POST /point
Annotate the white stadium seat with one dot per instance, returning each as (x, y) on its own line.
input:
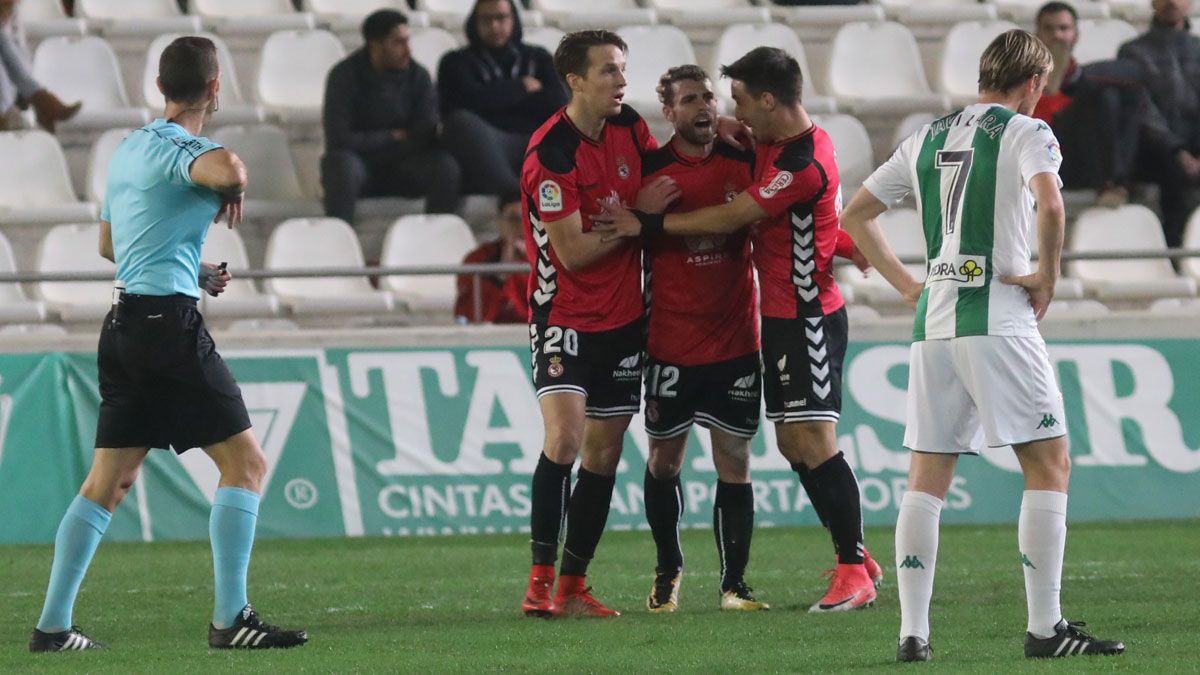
(426, 240)
(905, 234)
(909, 126)
(251, 16)
(235, 109)
(569, 15)
(276, 194)
(652, 50)
(815, 20)
(346, 16)
(307, 243)
(99, 158)
(1128, 228)
(15, 306)
(937, 11)
(137, 17)
(72, 248)
(1191, 239)
(292, 71)
(738, 39)
(706, 13)
(1099, 39)
(1024, 11)
(1075, 309)
(964, 44)
(35, 187)
(853, 147)
(1138, 11)
(429, 45)
(85, 69)
(241, 298)
(546, 37)
(876, 68)
(46, 18)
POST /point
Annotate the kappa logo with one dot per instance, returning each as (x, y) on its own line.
(630, 361)
(550, 197)
(912, 562)
(1048, 421)
(779, 182)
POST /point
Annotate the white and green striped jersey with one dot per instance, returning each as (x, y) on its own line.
(970, 174)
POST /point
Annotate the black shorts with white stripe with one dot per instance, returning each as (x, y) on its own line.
(725, 395)
(802, 367)
(605, 367)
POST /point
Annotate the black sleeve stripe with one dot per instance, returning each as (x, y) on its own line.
(657, 160)
(557, 149)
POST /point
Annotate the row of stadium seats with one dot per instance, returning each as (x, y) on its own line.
(239, 16)
(309, 243)
(873, 68)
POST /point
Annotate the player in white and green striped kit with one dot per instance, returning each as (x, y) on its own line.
(979, 368)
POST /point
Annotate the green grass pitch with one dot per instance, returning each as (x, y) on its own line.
(451, 604)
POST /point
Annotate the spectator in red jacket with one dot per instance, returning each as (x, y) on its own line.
(502, 296)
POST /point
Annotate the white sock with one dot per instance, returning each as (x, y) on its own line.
(1042, 536)
(916, 559)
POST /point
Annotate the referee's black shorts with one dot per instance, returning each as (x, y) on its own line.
(162, 382)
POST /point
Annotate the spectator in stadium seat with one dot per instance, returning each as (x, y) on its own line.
(504, 297)
(381, 121)
(1168, 57)
(1095, 111)
(494, 93)
(18, 89)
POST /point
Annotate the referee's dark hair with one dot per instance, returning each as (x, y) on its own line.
(666, 83)
(1055, 8)
(186, 67)
(379, 23)
(770, 70)
(572, 53)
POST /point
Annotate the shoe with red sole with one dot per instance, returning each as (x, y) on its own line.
(576, 599)
(873, 569)
(538, 601)
(850, 587)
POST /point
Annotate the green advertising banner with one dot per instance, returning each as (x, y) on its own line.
(443, 441)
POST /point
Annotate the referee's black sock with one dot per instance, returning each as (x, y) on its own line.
(551, 493)
(839, 487)
(815, 496)
(664, 508)
(586, 517)
(733, 525)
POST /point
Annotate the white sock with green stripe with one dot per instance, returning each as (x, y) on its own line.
(916, 559)
(1042, 536)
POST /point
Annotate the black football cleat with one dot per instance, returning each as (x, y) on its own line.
(71, 640)
(913, 649)
(249, 632)
(1069, 640)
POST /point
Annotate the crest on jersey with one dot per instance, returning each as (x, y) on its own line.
(622, 168)
(779, 182)
(731, 192)
(555, 369)
(651, 411)
(1055, 151)
(550, 197)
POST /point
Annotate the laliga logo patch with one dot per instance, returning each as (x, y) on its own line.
(781, 181)
(622, 168)
(550, 196)
(556, 367)
(1055, 152)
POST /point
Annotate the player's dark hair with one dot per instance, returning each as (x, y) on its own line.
(666, 83)
(1055, 8)
(572, 53)
(768, 69)
(186, 67)
(380, 23)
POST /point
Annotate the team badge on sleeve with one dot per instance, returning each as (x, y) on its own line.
(1055, 151)
(779, 182)
(550, 197)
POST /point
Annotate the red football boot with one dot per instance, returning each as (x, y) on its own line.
(537, 596)
(873, 569)
(849, 588)
(575, 599)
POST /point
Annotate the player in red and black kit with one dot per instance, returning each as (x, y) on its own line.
(703, 344)
(586, 326)
(793, 206)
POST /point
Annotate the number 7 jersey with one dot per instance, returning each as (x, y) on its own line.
(970, 174)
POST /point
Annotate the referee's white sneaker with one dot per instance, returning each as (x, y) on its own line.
(250, 632)
(70, 640)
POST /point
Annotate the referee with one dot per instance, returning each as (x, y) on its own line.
(162, 383)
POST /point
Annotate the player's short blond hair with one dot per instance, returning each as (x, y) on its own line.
(1012, 58)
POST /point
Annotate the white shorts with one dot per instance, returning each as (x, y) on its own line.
(964, 390)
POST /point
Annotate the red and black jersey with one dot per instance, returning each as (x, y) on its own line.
(701, 288)
(565, 172)
(796, 183)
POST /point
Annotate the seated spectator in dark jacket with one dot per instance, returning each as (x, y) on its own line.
(381, 121)
(1169, 60)
(1095, 111)
(495, 93)
(504, 298)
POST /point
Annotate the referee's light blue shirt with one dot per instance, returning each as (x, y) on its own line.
(159, 217)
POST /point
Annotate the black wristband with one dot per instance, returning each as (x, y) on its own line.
(653, 224)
